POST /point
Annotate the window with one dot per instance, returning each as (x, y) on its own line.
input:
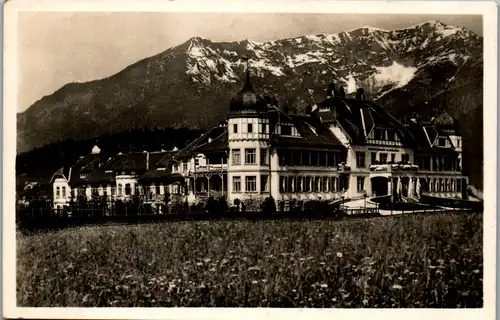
(113, 191)
(383, 158)
(156, 188)
(393, 157)
(263, 156)
(175, 189)
(286, 130)
(251, 184)
(196, 162)
(264, 128)
(94, 191)
(58, 192)
(307, 184)
(237, 184)
(405, 158)
(442, 142)
(120, 189)
(373, 157)
(185, 166)
(379, 134)
(235, 128)
(176, 168)
(263, 183)
(236, 155)
(250, 156)
(136, 189)
(361, 183)
(249, 128)
(128, 189)
(64, 192)
(360, 159)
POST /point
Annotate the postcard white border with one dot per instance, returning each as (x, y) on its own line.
(487, 9)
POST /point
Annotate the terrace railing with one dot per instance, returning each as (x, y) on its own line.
(393, 167)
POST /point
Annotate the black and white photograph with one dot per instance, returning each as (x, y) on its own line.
(332, 157)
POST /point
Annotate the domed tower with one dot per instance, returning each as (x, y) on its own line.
(248, 142)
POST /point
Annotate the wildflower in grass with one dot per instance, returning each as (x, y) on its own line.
(199, 263)
(254, 282)
(324, 285)
(397, 287)
(264, 280)
(339, 254)
(476, 271)
(365, 302)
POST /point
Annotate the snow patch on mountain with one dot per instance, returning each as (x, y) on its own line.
(395, 73)
(264, 65)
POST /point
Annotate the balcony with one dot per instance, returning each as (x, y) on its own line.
(212, 168)
(393, 167)
(343, 168)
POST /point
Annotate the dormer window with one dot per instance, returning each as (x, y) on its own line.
(286, 130)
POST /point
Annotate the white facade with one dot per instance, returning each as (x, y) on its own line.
(62, 192)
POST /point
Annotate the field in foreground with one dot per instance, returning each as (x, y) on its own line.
(408, 261)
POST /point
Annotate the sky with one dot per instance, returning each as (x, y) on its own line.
(56, 48)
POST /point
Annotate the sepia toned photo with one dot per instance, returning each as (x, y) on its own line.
(251, 159)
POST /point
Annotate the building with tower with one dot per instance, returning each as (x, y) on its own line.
(343, 148)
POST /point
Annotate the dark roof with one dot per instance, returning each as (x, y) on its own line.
(62, 172)
(215, 133)
(155, 157)
(358, 117)
(100, 176)
(247, 100)
(424, 135)
(444, 119)
(86, 164)
(217, 144)
(313, 133)
(89, 163)
(131, 161)
(163, 176)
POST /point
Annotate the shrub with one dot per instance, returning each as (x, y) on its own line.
(268, 205)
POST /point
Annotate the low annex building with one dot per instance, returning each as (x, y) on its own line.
(342, 148)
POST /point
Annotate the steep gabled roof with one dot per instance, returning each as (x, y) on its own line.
(358, 118)
(212, 134)
(425, 134)
(63, 172)
(313, 134)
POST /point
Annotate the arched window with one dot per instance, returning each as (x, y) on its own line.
(64, 192)
(58, 192)
(120, 189)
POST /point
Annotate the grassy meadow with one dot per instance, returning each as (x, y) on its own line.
(408, 261)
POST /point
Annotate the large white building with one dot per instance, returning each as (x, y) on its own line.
(343, 148)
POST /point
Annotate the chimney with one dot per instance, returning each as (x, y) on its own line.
(360, 94)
